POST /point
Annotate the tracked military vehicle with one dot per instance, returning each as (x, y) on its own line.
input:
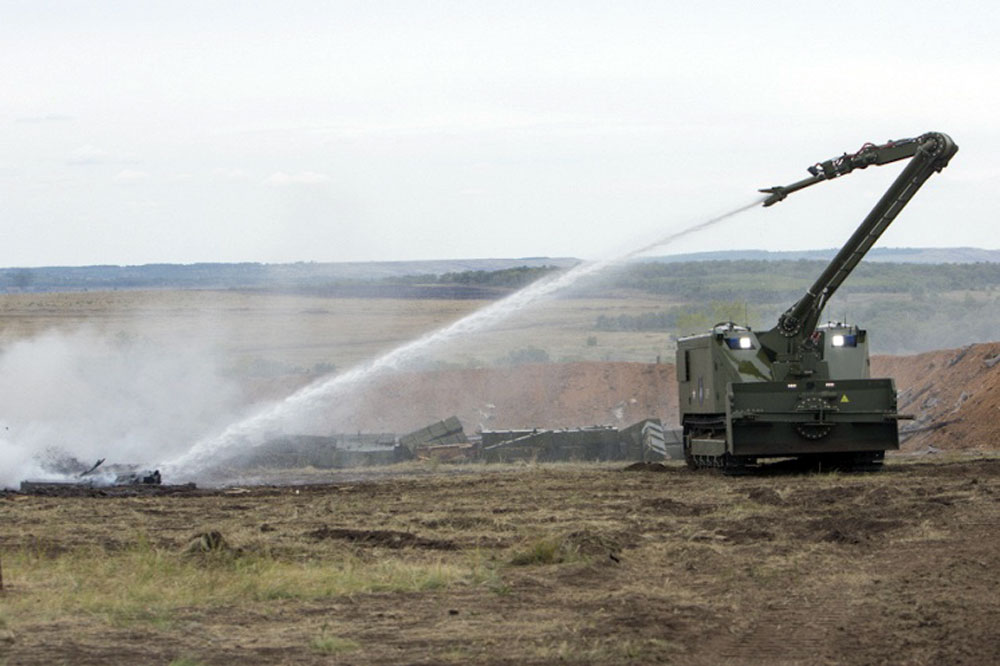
(802, 390)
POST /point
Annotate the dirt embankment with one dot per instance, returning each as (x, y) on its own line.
(550, 395)
(953, 395)
(557, 395)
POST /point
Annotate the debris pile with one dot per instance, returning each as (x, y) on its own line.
(336, 451)
(72, 477)
(594, 443)
(442, 440)
(644, 441)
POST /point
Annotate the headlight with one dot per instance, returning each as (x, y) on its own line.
(742, 342)
(837, 341)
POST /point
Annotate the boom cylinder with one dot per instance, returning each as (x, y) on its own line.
(931, 153)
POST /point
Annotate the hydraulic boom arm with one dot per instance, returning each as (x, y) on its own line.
(929, 152)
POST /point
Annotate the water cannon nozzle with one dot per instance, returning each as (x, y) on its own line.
(777, 194)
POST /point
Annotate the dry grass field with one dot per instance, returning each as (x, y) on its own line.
(287, 331)
(575, 563)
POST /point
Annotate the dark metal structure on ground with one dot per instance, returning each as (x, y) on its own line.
(643, 441)
(802, 390)
(88, 489)
(646, 440)
(595, 443)
(443, 440)
(337, 451)
(649, 441)
(441, 433)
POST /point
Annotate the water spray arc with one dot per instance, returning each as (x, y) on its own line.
(253, 431)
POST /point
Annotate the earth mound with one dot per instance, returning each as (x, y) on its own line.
(952, 394)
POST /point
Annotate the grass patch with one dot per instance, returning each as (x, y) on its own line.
(143, 584)
(327, 644)
(546, 550)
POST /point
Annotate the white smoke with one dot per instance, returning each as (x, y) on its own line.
(89, 396)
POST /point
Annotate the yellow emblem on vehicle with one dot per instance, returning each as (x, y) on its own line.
(843, 398)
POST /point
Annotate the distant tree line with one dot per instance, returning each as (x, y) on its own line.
(739, 281)
(906, 307)
(507, 278)
(785, 281)
(256, 276)
(479, 285)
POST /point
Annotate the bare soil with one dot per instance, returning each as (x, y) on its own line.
(653, 564)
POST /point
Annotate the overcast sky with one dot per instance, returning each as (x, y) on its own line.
(135, 132)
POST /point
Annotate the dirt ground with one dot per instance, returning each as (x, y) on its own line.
(583, 564)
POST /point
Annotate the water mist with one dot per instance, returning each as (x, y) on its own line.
(298, 409)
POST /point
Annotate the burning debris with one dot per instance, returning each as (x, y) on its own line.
(69, 476)
(100, 474)
(124, 475)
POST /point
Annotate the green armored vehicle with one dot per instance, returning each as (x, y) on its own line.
(802, 390)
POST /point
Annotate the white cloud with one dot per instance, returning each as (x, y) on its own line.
(512, 124)
(130, 176)
(46, 118)
(300, 178)
(230, 174)
(88, 154)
